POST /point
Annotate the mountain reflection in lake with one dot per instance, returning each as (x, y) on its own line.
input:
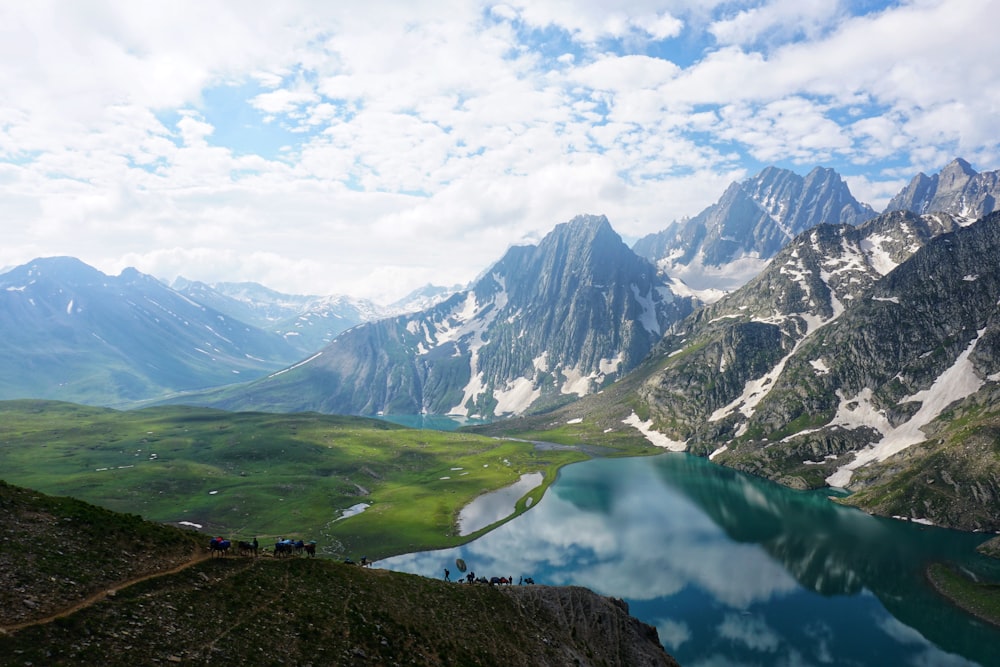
(736, 570)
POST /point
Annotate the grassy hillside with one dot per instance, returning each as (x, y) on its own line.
(49, 548)
(267, 611)
(267, 475)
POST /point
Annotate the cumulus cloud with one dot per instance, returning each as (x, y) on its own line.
(397, 142)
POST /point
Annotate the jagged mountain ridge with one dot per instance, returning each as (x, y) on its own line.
(545, 324)
(70, 332)
(730, 241)
(839, 356)
(957, 189)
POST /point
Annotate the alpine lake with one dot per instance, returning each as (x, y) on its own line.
(736, 570)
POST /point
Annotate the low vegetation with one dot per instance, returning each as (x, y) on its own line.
(978, 598)
(245, 610)
(263, 475)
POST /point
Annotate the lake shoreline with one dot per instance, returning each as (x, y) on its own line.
(977, 599)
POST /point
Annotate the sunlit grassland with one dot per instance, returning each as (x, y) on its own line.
(267, 475)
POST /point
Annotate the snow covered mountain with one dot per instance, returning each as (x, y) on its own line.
(307, 322)
(864, 356)
(957, 189)
(729, 242)
(545, 325)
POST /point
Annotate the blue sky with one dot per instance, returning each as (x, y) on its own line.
(370, 148)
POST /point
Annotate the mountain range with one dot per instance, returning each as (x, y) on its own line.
(73, 333)
(732, 240)
(546, 324)
(858, 335)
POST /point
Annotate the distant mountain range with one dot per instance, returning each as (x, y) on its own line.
(732, 240)
(544, 326)
(70, 332)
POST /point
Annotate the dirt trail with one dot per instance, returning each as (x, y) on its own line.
(197, 557)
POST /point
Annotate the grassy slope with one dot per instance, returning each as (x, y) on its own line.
(272, 475)
(266, 610)
(49, 548)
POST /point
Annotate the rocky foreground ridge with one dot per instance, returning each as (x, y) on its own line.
(80, 585)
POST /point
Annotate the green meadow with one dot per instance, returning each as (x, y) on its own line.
(264, 475)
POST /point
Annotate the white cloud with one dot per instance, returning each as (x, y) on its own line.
(786, 18)
(397, 142)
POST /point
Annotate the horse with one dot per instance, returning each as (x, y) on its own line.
(283, 548)
(218, 545)
(525, 580)
(247, 547)
(310, 548)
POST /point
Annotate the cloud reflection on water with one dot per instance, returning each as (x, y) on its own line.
(731, 569)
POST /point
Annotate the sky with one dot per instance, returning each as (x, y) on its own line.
(370, 148)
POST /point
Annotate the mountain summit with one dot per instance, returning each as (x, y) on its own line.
(730, 241)
(544, 325)
(958, 189)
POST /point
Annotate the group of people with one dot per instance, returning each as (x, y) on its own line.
(471, 578)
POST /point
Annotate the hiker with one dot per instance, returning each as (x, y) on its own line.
(447, 574)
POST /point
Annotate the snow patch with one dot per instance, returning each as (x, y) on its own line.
(648, 317)
(517, 397)
(954, 384)
(878, 256)
(819, 365)
(655, 437)
(293, 367)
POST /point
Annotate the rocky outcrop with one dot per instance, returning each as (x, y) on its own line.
(730, 241)
(958, 189)
(610, 636)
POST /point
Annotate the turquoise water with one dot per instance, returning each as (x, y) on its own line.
(734, 570)
(432, 422)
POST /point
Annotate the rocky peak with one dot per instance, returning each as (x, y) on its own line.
(957, 189)
(730, 241)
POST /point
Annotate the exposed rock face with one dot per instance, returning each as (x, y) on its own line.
(599, 621)
(544, 325)
(729, 242)
(844, 353)
(958, 189)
